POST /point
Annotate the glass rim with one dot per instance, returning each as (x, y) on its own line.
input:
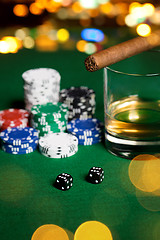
(133, 74)
(137, 74)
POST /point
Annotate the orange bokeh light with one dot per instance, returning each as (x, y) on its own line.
(53, 6)
(50, 232)
(20, 10)
(81, 45)
(76, 7)
(35, 9)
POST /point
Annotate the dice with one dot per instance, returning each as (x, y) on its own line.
(64, 181)
(95, 175)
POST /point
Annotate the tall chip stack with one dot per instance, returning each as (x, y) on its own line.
(49, 118)
(80, 101)
(41, 85)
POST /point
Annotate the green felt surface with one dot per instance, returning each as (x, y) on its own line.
(27, 197)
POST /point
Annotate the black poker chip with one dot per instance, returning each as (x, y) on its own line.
(80, 101)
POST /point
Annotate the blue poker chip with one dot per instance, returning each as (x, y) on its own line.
(18, 136)
(84, 137)
(89, 142)
(16, 150)
(21, 147)
(88, 127)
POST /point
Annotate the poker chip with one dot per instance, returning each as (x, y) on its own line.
(88, 126)
(49, 110)
(88, 132)
(89, 142)
(18, 136)
(41, 85)
(19, 140)
(10, 118)
(80, 101)
(49, 118)
(14, 150)
(58, 145)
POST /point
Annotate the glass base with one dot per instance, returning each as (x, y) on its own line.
(128, 148)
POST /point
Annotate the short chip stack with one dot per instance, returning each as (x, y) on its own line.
(19, 140)
(41, 85)
(49, 118)
(10, 118)
(80, 101)
(58, 145)
(88, 132)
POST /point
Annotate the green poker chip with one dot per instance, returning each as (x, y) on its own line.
(49, 118)
(49, 110)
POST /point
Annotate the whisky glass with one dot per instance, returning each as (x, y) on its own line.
(132, 105)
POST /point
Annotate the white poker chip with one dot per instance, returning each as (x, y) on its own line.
(58, 145)
(41, 85)
(44, 75)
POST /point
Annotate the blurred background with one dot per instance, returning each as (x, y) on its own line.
(82, 25)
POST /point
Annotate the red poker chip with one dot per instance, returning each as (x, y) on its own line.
(14, 124)
(9, 116)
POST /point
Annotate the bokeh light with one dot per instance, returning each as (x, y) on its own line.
(81, 45)
(62, 35)
(133, 6)
(62, 13)
(66, 3)
(76, 7)
(92, 14)
(20, 10)
(92, 34)
(13, 43)
(89, 3)
(149, 200)
(28, 42)
(21, 33)
(50, 232)
(149, 9)
(35, 9)
(4, 47)
(53, 6)
(93, 230)
(106, 8)
(130, 20)
(143, 30)
(90, 48)
(144, 172)
(44, 43)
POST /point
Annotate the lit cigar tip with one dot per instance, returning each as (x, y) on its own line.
(91, 64)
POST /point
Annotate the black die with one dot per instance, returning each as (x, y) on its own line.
(95, 175)
(64, 181)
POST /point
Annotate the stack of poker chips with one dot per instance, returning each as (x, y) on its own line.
(58, 145)
(10, 118)
(49, 118)
(41, 85)
(19, 140)
(88, 132)
(80, 101)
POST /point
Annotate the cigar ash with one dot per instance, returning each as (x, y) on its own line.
(91, 64)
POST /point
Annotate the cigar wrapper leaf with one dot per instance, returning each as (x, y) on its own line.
(121, 51)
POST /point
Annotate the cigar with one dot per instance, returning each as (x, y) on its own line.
(121, 51)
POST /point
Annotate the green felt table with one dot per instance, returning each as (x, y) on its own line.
(27, 196)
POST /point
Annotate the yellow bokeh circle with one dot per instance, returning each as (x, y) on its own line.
(93, 230)
(144, 172)
(50, 232)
